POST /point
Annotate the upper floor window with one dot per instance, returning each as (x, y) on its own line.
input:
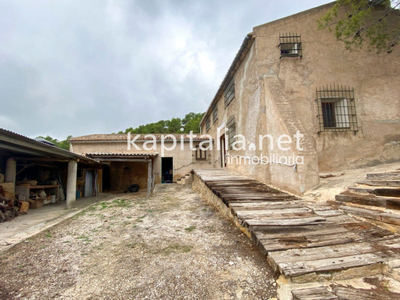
(336, 109)
(290, 45)
(215, 113)
(208, 123)
(230, 92)
(231, 125)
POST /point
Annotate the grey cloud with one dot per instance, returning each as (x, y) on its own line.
(97, 66)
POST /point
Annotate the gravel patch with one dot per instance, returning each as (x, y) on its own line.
(171, 246)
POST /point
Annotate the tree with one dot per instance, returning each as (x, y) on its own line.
(61, 144)
(191, 122)
(355, 22)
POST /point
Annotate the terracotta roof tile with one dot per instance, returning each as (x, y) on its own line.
(124, 137)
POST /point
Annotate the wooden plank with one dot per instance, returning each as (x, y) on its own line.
(391, 218)
(298, 231)
(378, 191)
(341, 219)
(244, 196)
(276, 214)
(316, 293)
(270, 246)
(329, 265)
(366, 213)
(287, 243)
(329, 213)
(265, 205)
(387, 176)
(391, 243)
(310, 254)
(359, 199)
(393, 203)
(359, 294)
(392, 183)
(285, 222)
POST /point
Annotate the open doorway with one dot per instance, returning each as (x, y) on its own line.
(222, 151)
(89, 183)
(167, 175)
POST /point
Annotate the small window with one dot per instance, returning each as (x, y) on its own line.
(230, 92)
(201, 154)
(215, 113)
(208, 123)
(231, 132)
(336, 109)
(290, 45)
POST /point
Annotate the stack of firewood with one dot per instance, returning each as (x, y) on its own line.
(7, 209)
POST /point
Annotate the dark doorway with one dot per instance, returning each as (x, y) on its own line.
(167, 175)
(222, 151)
(89, 184)
(106, 178)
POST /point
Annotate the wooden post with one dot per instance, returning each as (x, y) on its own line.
(11, 171)
(149, 178)
(71, 182)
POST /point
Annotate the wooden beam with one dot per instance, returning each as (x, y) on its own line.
(46, 159)
(122, 159)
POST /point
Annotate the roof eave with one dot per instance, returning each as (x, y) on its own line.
(244, 48)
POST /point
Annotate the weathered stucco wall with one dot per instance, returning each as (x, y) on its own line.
(374, 77)
(276, 96)
(184, 159)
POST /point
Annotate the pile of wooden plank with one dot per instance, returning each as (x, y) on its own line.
(7, 200)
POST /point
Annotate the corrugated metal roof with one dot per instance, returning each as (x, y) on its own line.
(121, 154)
(140, 137)
(25, 143)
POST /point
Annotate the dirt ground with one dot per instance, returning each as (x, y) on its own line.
(171, 246)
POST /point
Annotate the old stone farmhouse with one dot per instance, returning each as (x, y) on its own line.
(293, 103)
(301, 101)
(289, 77)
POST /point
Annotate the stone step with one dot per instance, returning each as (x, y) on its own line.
(384, 176)
(377, 215)
(379, 191)
(382, 183)
(370, 200)
(316, 293)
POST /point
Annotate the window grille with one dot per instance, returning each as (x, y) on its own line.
(230, 92)
(215, 113)
(290, 45)
(208, 123)
(336, 109)
(231, 132)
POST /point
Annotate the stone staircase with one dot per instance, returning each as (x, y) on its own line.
(312, 247)
(377, 198)
(185, 180)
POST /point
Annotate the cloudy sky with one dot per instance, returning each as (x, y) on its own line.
(76, 67)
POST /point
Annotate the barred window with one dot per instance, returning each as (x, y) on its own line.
(208, 123)
(231, 132)
(336, 109)
(215, 113)
(201, 154)
(290, 45)
(230, 92)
